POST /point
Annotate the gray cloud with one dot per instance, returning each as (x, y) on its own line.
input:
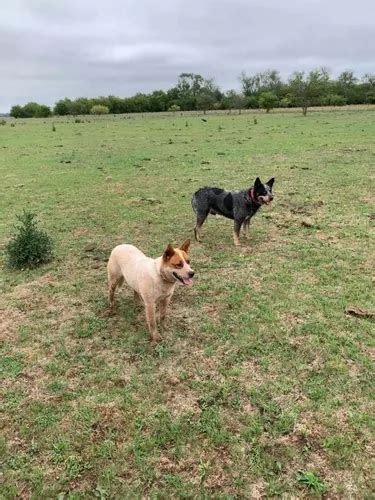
(71, 48)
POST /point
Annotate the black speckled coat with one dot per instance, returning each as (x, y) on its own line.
(239, 206)
(235, 205)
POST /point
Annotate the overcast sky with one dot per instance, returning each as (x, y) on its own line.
(51, 49)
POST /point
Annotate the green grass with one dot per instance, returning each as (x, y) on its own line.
(263, 385)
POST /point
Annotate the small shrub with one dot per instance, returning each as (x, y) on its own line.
(12, 124)
(268, 100)
(312, 481)
(3, 122)
(78, 120)
(99, 109)
(174, 108)
(255, 121)
(29, 246)
(53, 127)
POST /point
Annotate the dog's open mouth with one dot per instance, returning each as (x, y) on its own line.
(184, 281)
(266, 201)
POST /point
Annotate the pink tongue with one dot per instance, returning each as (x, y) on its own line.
(188, 281)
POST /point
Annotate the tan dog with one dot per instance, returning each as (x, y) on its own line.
(153, 280)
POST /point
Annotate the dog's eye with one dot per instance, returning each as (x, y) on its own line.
(187, 261)
(180, 264)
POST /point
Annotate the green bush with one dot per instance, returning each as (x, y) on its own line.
(99, 109)
(30, 110)
(268, 101)
(174, 108)
(334, 100)
(29, 246)
(252, 102)
(285, 103)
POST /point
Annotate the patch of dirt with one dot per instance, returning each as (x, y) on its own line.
(182, 401)
(257, 491)
(306, 208)
(250, 374)
(11, 318)
(290, 318)
(109, 420)
(25, 290)
(78, 231)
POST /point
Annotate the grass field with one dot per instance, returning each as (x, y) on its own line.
(262, 386)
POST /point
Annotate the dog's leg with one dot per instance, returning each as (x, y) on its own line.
(163, 311)
(201, 217)
(197, 233)
(236, 232)
(151, 322)
(245, 227)
(113, 283)
(138, 300)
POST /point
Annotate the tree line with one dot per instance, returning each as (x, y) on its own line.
(192, 92)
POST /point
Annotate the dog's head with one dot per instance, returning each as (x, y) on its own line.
(262, 193)
(176, 264)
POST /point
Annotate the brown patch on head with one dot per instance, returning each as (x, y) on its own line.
(178, 258)
(185, 256)
(168, 253)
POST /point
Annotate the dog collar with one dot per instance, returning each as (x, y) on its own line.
(253, 197)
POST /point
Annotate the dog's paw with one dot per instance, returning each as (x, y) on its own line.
(110, 311)
(156, 339)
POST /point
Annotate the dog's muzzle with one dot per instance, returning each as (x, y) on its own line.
(265, 199)
(185, 281)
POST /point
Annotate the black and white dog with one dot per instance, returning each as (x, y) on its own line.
(237, 205)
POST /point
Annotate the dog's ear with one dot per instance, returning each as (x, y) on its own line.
(257, 183)
(185, 246)
(270, 182)
(168, 253)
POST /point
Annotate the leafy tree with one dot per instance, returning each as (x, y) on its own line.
(158, 101)
(30, 110)
(233, 100)
(63, 107)
(308, 90)
(188, 89)
(16, 111)
(205, 101)
(268, 81)
(43, 111)
(285, 102)
(268, 100)
(369, 88)
(334, 100)
(252, 102)
(346, 86)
